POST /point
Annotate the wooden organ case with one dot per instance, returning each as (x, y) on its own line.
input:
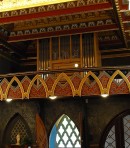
(63, 52)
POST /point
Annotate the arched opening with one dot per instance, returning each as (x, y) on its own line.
(64, 134)
(117, 132)
(16, 125)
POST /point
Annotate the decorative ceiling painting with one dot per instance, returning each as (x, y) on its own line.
(21, 24)
(9, 5)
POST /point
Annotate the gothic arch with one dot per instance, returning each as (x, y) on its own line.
(64, 134)
(16, 125)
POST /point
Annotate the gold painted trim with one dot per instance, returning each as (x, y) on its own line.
(61, 76)
(10, 84)
(51, 92)
(118, 72)
(95, 78)
(36, 78)
(9, 5)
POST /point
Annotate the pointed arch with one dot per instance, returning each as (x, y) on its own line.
(37, 77)
(16, 125)
(61, 76)
(4, 83)
(19, 85)
(95, 78)
(41, 135)
(117, 72)
(64, 134)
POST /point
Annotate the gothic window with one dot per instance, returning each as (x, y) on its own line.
(117, 132)
(126, 123)
(110, 140)
(64, 134)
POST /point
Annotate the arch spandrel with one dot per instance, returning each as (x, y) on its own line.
(14, 93)
(34, 87)
(25, 82)
(121, 88)
(19, 88)
(94, 88)
(37, 92)
(66, 89)
(104, 78)
(76, 80)
(50, 81)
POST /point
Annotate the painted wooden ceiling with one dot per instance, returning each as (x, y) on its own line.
(109, 18)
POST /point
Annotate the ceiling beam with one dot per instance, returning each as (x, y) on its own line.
(115, 50)
(73, 10)
(116, 6)
(115, 55)
(64, 32)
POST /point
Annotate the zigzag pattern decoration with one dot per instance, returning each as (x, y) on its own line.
(63, 85)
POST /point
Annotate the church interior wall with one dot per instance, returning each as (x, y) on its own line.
(90, 114)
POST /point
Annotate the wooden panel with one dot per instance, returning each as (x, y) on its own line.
(65, 64)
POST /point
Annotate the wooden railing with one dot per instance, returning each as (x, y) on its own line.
(81, 82)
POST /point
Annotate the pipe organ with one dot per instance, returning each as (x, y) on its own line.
(63, 52)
